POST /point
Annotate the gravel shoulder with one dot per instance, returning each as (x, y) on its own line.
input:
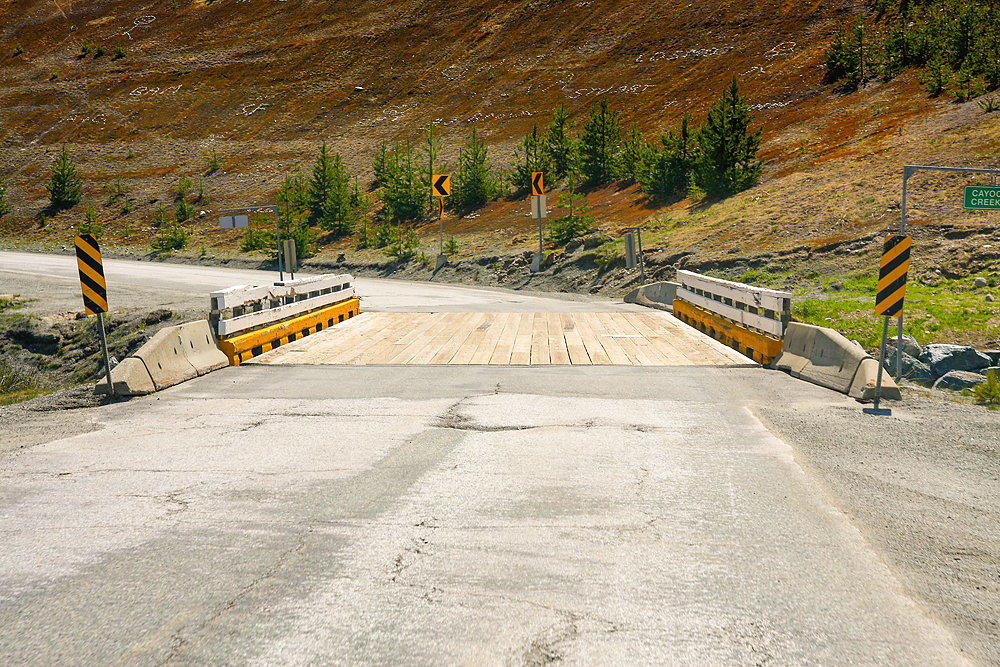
(923, 487)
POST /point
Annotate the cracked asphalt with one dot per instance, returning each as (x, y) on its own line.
(318, 515)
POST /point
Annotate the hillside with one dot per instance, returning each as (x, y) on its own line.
(263, 83)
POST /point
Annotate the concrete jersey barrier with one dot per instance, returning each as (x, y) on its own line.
(825, 357)
(654, 295)
(173, 355)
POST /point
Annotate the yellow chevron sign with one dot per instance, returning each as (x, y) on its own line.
(892, 275)
(95, 290)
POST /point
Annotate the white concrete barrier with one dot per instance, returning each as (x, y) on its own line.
(200, 347)
(825, 357)
(654, 295)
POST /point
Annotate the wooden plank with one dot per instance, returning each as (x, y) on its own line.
(558, 354)
(505, 344)
(611, 345)
(649, 350)
(467, 351)
(484, 351)
(687, 342)
(463, 331)
(659, 338)
(379, 346)
(621, 336)
(521, 354)
(424, 343)
(574, 342)
(329, 344)
(349, 348)
(539, 341)
(591, 341)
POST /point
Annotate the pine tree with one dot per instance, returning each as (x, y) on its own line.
(560, 148)
(529, 157)
(599, 144)
(403, 197)
(666, 172)
(430, 149)
(475, 184)
(633, 153)
(727, 160)
(4, 204)
(319, 185)
(338, 214)
(64, 186)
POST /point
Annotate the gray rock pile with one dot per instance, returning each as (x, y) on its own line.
(940, 365)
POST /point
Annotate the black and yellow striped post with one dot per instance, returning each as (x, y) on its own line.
(95, 291)
(889, 298)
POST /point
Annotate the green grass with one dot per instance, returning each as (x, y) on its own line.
(947, 313)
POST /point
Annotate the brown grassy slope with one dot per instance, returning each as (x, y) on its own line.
(264, 82)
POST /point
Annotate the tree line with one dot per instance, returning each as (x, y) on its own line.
(954, 43)
(716, 158)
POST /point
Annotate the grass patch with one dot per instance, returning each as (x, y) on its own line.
(946, 313)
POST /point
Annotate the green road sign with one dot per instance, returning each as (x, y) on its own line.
(982, 197)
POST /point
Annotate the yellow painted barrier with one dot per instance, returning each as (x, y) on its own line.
(255, 343)
(762, 349)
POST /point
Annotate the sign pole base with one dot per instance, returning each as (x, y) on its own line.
(107, 359)
(875, 410)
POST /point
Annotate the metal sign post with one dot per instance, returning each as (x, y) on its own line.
(95, 292)
(539, 204)
(231, 222)
(441, 188)
(889, 302)
(635, 255)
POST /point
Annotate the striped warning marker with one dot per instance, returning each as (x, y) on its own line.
(892, 275)
(95, 290)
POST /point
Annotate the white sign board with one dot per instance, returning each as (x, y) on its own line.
(538, 206)
(233, 221)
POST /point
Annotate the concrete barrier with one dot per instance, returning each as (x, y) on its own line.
(165, 358)
(200, 347)
(826, 358)
(130, 378)
(655, 295)
(171, 356)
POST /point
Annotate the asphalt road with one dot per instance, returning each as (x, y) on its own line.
(326, 515)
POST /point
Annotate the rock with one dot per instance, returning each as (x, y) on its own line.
(989, 298)
(959, 380)
(573, 244)
(910, 345)
(943, 358)
(594, 240)
(913, 369)
(981, 282)
(931, 279)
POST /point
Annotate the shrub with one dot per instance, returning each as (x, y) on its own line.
(989, 392)
(529, 157)
(576, 223)
(4, 204)
(174, 238)
(159, 216)
(120, 52)
(184, 211)
(214, 161)
(475, 184)
(99, 51)
(183, 187)
(451, 246)
(403, 196)
(383, 235)
(86, 49)
(404, 247)
(89, 224)
(560, 148)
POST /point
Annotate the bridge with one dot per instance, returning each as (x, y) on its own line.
(456, 476)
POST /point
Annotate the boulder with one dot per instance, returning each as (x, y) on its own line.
(959, 380)
(981, 282)
(910, 345)
(944, 358)
(913, 369)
